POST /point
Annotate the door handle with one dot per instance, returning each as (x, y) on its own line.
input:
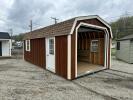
(47, 55)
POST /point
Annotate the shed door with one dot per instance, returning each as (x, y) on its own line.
(50, 54)
(94, 51)
(0, 48)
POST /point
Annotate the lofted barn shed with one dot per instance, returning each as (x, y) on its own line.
(71, 48)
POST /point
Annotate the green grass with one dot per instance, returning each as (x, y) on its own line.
(113, 52)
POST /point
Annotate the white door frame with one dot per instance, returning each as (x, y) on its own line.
(48, 64)
(105, 43)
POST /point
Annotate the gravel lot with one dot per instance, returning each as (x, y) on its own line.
(20, 80)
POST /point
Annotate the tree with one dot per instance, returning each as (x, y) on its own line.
(122, 27)
(18, 37)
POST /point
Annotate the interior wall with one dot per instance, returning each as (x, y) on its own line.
(84, 48)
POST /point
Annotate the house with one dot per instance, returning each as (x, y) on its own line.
(72, 48)
(5, 44)
(124, 49)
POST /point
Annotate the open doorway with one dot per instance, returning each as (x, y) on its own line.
(90, 50)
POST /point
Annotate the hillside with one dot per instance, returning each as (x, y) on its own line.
(122, 27)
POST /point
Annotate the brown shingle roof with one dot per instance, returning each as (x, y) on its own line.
(62, 28)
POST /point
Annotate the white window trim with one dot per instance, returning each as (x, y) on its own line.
(26, 41)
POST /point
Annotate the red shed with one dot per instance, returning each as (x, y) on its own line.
(71, 48)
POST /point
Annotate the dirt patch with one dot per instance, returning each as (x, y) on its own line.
(20, 80)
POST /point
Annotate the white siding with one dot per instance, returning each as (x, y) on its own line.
(6, 48)
(123, 53)
(131, 52)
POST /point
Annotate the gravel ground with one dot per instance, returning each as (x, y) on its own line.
(20, 80)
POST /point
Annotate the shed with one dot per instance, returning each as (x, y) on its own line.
(124, 49)
(71, 48)
(5, 44)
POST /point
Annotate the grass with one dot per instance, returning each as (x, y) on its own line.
(113, 51)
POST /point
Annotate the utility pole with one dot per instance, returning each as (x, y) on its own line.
(11, 34)
(55, 19)
(31, 25)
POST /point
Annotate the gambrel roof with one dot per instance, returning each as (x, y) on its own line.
(62, 28)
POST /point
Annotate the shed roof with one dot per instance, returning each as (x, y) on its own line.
(4, 35)
(62, 28)
(128, 37)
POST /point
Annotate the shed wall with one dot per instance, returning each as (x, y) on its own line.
(123, 53)
(6, 48)
(61, 55)
(131, 51)
(36, 55)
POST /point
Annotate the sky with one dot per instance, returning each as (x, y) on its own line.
(16, 14)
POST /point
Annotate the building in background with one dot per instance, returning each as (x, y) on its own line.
(124, 49)
(5, 44)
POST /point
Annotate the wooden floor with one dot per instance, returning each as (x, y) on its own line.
(84, 67)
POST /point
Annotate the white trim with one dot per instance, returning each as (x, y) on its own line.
(90, 17)
(69, 57)
(23, 49)
(47, 53)
(10, 43)
(106, 43)
(105, 46)
(110, 52)
(94, 40)
(6, 46)
(5, 39)
(26, 45)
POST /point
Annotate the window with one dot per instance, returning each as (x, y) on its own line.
(27, 44)
(51, 46)
(118, 46)
(94, 46)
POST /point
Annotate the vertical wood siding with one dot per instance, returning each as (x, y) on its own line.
(37, 53)
(61, 55)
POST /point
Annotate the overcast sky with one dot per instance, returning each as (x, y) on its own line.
(16, 14)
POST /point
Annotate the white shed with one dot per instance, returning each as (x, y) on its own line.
(5, 44)
(124, 49)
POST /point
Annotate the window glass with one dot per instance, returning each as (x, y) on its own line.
(94, 46)
(51, 46)
(118, 46)
(27, 45)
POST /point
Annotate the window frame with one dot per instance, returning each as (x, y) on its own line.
(92, 45)
(51, 44)
(27, 45)
(118, 45)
